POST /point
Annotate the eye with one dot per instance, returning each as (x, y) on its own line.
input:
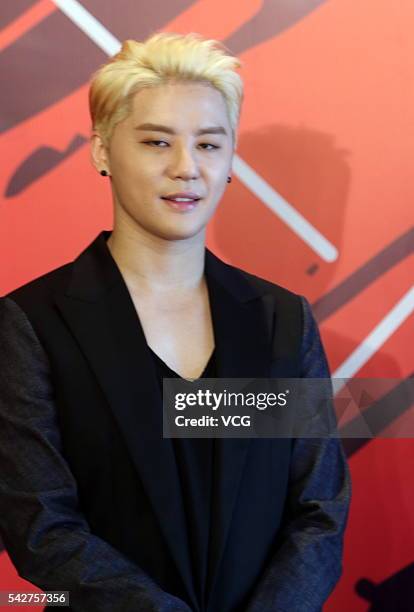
(208, 144)
(150, 142)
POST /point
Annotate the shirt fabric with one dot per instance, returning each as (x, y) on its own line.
(194, 458)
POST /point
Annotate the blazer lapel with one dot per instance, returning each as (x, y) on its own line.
(243, 331)
(99, 310)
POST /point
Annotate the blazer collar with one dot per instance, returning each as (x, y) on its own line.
(99, 310)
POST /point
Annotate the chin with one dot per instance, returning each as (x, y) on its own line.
(177, 227)
(179, 233)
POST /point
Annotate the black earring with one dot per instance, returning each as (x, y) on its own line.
(104, 173)
(229, 179)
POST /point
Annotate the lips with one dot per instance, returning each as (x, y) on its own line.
(182, 197)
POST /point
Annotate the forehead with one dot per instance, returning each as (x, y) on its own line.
(181, 103)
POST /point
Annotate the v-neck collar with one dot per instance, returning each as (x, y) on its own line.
(175, 374)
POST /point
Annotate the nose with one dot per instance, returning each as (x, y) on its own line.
(184, 164)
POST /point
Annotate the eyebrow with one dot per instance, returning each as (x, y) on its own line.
(154, 127)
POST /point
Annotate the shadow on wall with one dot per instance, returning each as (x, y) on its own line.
(273, 18)
(395, 594)
(40, 162)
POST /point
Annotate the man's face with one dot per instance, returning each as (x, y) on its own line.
(148, 163)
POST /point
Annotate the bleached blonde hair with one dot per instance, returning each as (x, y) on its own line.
(162, 58)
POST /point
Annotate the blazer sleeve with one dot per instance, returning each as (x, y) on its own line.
(307, 563)
(45, 534)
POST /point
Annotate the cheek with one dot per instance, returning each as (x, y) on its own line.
(217, 168)
(127, 162)
(218, 176)
(135, 173)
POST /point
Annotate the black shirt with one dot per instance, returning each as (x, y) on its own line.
(194, 457)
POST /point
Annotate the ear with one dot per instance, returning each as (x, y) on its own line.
(99, 154)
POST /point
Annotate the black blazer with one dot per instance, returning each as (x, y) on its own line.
(89, 495)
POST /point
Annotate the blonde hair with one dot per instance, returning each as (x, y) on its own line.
(162, 58)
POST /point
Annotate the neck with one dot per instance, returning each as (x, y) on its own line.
(154, 264)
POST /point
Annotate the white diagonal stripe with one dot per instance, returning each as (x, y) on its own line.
(89, 25)
(379, 335)
(257, 185)
(297, 222)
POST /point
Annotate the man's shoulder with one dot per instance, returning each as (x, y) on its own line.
(260, 285)
(38, 292)
(266, 286)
